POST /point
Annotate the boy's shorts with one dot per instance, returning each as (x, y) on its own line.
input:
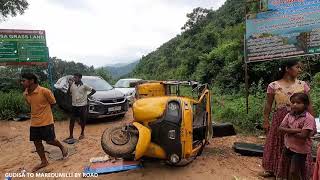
(42, 133)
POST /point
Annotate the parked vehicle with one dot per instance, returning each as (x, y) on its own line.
(125, 86)
(166, 124)
(106, 102)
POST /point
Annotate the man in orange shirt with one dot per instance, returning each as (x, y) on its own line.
(40, 100)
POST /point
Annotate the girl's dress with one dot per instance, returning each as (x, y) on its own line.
(274, 144)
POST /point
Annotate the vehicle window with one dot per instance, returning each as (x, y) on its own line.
(97, 84)
(123, 84)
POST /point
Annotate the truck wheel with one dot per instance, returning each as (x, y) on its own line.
(119, 141)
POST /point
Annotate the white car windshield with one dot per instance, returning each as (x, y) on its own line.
(97, 84)
(123, 83)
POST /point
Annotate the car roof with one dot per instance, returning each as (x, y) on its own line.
(131, 79)
(91, 77)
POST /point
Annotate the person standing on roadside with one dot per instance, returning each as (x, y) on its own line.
(298, 126)
(40, 100)
(79, 94)
(280, 92)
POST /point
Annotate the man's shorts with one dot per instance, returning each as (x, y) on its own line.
(42, 133)
(80, 112)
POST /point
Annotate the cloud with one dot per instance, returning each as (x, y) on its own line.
(71, 4)
(97, 32)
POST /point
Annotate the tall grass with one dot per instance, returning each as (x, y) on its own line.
(232, 108)
(12, 104)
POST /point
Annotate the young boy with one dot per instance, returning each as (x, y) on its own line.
(40, 100)
(298, 126)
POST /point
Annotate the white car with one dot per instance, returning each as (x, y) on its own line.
(123, 85)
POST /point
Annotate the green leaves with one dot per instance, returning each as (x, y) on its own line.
(102, 72)
(211, 44)
(12, 104)
(12, 8)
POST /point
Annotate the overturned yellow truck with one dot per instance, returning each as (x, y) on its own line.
(166, 124)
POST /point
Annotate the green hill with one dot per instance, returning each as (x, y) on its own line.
(120, 70)
(209, 49)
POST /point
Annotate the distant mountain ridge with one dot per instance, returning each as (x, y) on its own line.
(121, 69)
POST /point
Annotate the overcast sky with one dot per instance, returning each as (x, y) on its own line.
(100, 32)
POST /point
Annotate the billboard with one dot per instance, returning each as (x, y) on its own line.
(23, 47)
(289, 28)
(285, 4)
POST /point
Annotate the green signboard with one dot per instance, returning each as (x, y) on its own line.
(23, 47)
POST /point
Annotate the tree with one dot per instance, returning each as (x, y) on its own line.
(62, 68)
(197, 15)
(102, 72)
(12, 8)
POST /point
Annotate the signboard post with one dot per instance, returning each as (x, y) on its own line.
(24, 48)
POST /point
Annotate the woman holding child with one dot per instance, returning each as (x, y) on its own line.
(280, 92)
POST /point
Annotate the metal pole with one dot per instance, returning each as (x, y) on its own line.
(309, 69)
(245, 62)
(50, 65)
(247, 87)
(246, 74)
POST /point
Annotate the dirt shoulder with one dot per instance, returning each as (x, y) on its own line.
(217, 162)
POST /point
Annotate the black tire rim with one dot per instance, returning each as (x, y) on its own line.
(120, 137)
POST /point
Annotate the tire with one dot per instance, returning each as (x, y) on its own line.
(248, 149)
(118, 142)
(223, 129)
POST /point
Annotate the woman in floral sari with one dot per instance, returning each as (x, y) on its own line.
(279, 92)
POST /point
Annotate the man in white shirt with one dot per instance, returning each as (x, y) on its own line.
(79, 93)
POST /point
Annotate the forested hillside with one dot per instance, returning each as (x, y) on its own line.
(121, 70)
(209, 49)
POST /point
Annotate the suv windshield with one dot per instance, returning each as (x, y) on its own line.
(97, 84)
(123, 83)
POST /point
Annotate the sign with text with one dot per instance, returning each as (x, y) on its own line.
(23, 47)
(285, 4)
(288, 30)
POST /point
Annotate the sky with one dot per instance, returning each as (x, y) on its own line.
(104, 32)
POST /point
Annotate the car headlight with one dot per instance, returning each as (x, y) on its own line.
(129, 93)
(93, 100)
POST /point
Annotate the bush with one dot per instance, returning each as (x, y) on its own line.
(12, 104)
(315, 93)
(232, 108)
(59, 114)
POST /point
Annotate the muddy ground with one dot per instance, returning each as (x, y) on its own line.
(217, 162)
